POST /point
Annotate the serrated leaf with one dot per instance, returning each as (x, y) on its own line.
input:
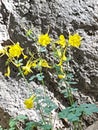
(49, 109)
(88, 109)
(29, 126)
(46, 127)
(32, 78)
(63, 114)
(21, 117)
(12, 123)
(43, 49)
(40, 76)
(72, 117)
(12, 128)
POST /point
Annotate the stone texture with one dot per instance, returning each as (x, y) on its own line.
(12, 96)
(93, 127)
(4, 118)
(62, 16)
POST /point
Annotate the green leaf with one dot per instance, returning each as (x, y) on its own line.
(43, 49)
(32, 78)
(73, 117)
(49, 109)
(30, 126)
(12, 128)
(46, 127)
(58, 68)
(21, 118)
(49, 105)
(40, 76)
(88, 109)
(63, 114)
(68, 59)
(74, 112)
(1, 128)
(13, 122)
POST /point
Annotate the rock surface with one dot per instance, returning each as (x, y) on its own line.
(12, 96)
(93, 127)
(62, 16)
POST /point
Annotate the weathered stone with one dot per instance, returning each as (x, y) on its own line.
(61, 16)
(93, 127)
(4, 119)
(12, 96)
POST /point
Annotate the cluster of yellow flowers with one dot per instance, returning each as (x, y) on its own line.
(12, 52)
(59, 47)
(34, 64)
(15, 51)
(74, 40)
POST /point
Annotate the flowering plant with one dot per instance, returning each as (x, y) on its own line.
(51, 54)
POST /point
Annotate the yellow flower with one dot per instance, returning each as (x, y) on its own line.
(29, 103)
(15, 50)
(7, 74)
(44, 63)
(75, 40)
(61, 76)
(64, 58)
(44, 39)
(24, 56)
(62, 41)
(27, 68)
(34, 63)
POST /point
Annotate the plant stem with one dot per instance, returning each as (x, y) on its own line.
(70, 96)
(41, 113)
(21, 72)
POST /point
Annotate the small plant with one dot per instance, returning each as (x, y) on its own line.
(15, 123)
(47, 54)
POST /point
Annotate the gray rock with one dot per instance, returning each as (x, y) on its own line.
(12, 96)
(93, 127)
(61, 16)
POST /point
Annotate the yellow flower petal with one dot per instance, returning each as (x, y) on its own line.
(44, 63)
(64, 58)
(34, 63)
(61, 41)
(7, 74)
(15, 50)
(24, 56)
(44, 39)
(27, 68)
(61, 76)
(29, 103)
(75, 40)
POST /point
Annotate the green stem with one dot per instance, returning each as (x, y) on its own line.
(75, 125)
(22, 74)
(43, 83)
(44, 87)
(41, 113)
(70, 96)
